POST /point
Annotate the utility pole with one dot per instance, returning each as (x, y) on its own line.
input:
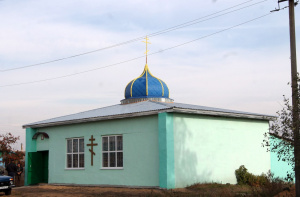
(295, 96)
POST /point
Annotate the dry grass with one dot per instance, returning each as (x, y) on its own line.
(215, 189)
(205, 190)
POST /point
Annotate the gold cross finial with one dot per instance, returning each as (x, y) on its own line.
(146, 47)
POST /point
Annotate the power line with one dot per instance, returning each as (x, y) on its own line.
(196, 21)
(189, 23)
(115, 64)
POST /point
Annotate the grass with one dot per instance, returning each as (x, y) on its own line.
(217, 189)
(228, 190)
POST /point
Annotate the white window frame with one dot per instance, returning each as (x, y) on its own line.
(78, 153)
(115, 151)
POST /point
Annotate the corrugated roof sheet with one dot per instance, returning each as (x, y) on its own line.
(198, 107)
(137, 108)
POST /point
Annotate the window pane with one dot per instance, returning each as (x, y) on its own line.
(119, 143)
(75, 161)
(105, 159)
(112, 159)
(105, 144)
(120, 159)
(69, 146)
(81, 160)
(69, 160)
(112, 143)
(75, 145)
(81, 145)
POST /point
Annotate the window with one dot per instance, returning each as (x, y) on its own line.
(75, 153)
(112, 151)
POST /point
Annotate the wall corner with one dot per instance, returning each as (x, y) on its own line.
(166, 151)
(30, 147)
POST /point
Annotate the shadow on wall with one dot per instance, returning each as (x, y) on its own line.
(186, 157)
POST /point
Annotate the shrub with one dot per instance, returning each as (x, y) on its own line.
(243, 177)
(262, 185)
(272, 186)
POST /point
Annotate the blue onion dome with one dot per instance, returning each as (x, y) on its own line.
(146, 87)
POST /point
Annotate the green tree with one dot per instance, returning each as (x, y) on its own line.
(280, 138)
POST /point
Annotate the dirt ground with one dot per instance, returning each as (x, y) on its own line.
(80, 191)
(46, 190)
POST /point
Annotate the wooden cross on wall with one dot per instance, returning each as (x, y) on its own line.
(92, 150)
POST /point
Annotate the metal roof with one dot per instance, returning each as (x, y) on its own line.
(142, 109)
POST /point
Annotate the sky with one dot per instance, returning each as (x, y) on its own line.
(245, 68)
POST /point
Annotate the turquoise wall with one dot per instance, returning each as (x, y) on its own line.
(166, 150)
(42, 145)
(210, 149)
(279, 168)
(30, 147)
(140, 149)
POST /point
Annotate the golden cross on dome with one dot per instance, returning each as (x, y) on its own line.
(146, 47)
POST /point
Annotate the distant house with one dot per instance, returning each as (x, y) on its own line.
(1, 159)
(147, 140)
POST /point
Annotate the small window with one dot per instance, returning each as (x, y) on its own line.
(75, 153)
(112, 151)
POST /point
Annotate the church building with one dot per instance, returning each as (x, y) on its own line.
(147, 140)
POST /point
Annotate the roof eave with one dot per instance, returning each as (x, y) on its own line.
(147, 113)
(94, 119)
(224, 114)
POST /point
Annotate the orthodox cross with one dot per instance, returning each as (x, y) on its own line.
(92, 150)
(146, 47)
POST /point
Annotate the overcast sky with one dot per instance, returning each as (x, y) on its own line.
(246, 68)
